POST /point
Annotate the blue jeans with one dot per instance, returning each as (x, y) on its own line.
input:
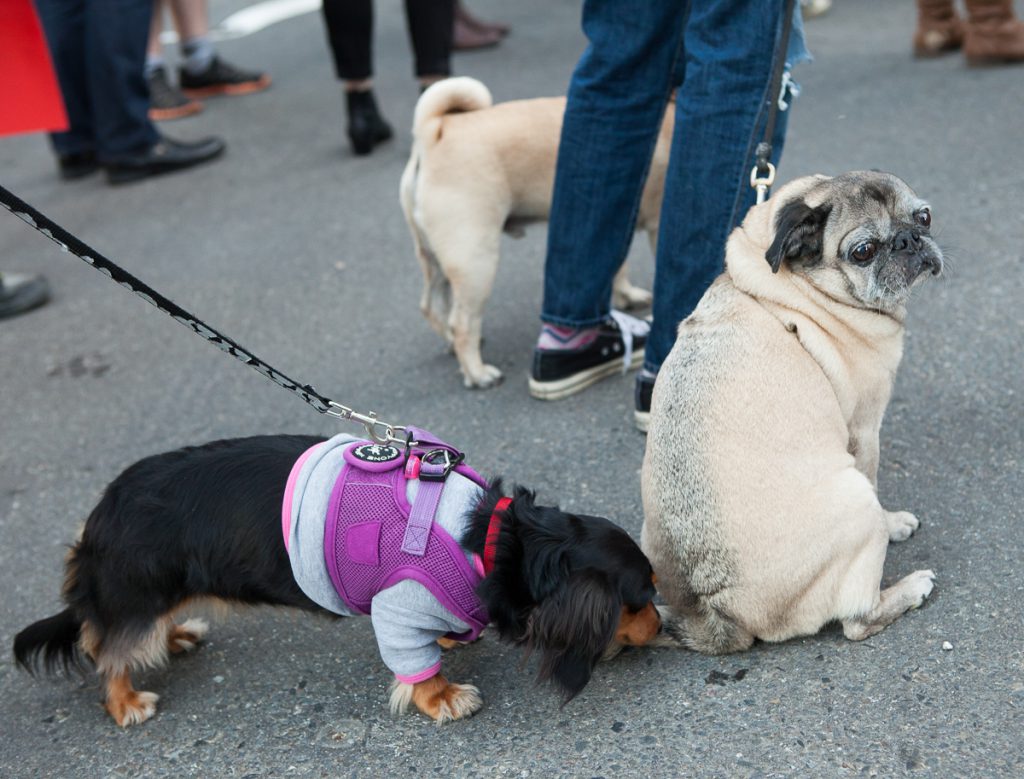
(99, 53)
(720, 54)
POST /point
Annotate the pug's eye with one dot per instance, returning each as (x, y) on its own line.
(923, 218)
(864, 252)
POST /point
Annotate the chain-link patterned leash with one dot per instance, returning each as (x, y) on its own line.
(379, 431)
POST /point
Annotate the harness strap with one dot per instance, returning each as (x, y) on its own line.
(424, 507)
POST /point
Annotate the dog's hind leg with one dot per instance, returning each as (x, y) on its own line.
(127, 705)
(470, 259)
(908, 593)
(115, 653)
(184, 637)
(861, 607)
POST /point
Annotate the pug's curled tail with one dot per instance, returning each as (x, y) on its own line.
(705, 631)
(448, 96)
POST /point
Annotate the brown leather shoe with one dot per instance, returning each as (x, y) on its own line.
(994, 35)
(939, 29)
(467, 38)
(463, 15)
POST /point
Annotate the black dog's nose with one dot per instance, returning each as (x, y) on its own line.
(906, 240)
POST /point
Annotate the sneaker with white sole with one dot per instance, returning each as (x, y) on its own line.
(617, 347)
(642, 397)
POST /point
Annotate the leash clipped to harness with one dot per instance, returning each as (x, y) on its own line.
(379, 431)
(762, 175)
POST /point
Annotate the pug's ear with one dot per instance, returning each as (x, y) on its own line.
(799, 233)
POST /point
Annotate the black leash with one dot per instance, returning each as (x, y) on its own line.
(379, 431)
(763, 174)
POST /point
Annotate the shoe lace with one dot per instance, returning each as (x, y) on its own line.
(631, 327)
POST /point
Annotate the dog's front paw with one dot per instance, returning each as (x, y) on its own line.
(901, 525)
(626, 297)
(488, 376)
(919, 586)
(438, 698)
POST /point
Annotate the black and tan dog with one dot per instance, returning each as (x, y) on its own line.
(206, 523)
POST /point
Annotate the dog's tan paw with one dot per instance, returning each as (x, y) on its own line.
(457, 702)
(901, 525)
(488, 376)
(184, 637)
(919, 586)
(627, 297)
(438, 698)
(133, 708)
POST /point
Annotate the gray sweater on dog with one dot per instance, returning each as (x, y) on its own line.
(407, 618)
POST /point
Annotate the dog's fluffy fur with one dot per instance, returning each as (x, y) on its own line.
(476, 170)
(759, 480)
(205, 523)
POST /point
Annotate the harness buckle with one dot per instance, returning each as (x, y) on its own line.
(439, 458)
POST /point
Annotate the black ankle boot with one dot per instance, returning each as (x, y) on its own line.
(366, 127)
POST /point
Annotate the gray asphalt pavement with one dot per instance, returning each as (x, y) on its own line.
(300, 251)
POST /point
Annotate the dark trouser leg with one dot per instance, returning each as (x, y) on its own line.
(349, 26)
(430, 29)
(116, 35)
(64, 24)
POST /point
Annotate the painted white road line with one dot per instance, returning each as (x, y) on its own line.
(253, 19)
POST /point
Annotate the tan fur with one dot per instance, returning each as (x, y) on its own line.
(125, 704)
(476, 170)
(116, 656)
(761, 516)
(438, 698)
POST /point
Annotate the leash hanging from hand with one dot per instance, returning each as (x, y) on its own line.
(762, 176)
(381, 432)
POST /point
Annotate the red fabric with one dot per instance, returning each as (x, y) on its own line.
(30, 98)
(493, 530)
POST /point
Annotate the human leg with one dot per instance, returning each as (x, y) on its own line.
(349, 27)
(64, 25)
(721, 112)
(430, 30)
(616, 101)
(614, 110)
(204, 73)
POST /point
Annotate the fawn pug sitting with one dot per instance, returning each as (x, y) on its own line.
(761, 515)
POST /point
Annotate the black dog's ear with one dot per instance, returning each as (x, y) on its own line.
(799, 233)
(572, 629)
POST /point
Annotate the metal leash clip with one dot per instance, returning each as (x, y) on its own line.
(380, 432)
(762, 183)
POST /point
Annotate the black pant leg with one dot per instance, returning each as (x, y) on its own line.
(349, 25)
(430, 29)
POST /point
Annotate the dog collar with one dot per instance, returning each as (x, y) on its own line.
(493, 530)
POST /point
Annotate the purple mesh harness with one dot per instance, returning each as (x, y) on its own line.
(373, 537)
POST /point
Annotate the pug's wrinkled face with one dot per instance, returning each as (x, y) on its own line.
(863, 238)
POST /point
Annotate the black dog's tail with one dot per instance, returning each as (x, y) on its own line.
(51, 643)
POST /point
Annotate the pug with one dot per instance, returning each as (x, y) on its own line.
(761, 515)
(476, 170)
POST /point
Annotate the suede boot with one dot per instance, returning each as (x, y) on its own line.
(366, 127)
(939, 29)
(994, 34)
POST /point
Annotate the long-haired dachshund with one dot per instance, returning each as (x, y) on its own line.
(337, 526)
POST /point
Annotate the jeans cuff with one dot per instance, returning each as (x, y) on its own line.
(577, 323)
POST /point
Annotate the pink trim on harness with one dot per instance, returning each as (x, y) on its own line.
(289, 494)
(366, 547)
